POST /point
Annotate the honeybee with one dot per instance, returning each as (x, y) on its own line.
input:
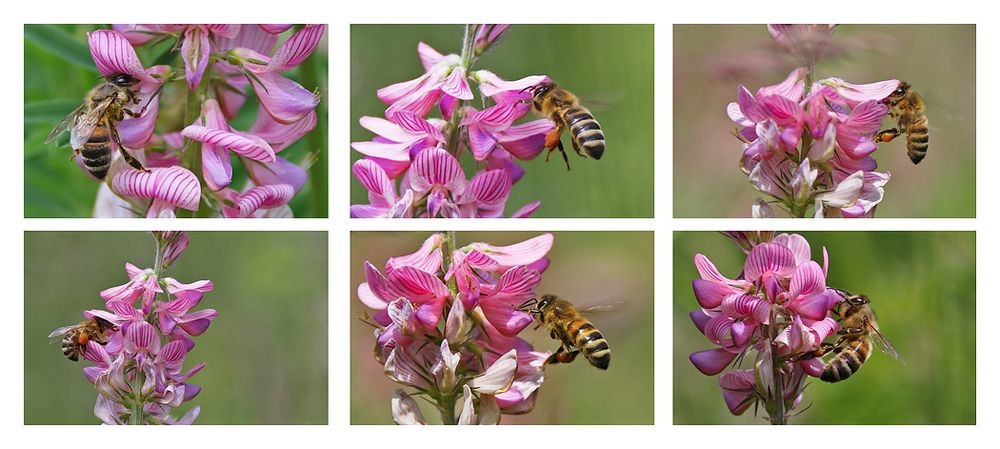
(575, 332)
(859, 329)
(93, 123)
(908, 108)
(563, 108)
(76, 337)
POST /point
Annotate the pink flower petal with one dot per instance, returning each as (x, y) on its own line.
(428, 56)
(491, 187)
(526, 140)
(381, 190)
(263, 197)
(286, 100)
(491, 84)
(280, 135)
(249, 146)
(428, 258)
(523, 253)
(791, 88)
(281, 171)
(769, 258)
(456, 84)
(710, 294)
(297, 48)
(114, 55)
(858, 93)
(195, 51)
(275, 28)
(174, 185)
(526, 210)
(807, 280)
(136, 34)
(435, 166)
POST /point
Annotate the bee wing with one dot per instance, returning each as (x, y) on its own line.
(883, 343)
(63, 124)
(58, 333)
(87, 123)
(604, 307)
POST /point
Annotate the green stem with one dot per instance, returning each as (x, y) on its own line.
(807, 140)
(778, 416)
(192, 148)
(446, 406)
(468, 60)
(137, 417)
(450, 243)
(317, 143)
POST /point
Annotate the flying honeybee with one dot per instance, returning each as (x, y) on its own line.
(563, 108)
(575, 332)
(92, 124)
(76, 337)
(908, 108)
(859, 329)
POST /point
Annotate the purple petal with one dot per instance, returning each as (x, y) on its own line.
(264, 197)
(526, 210)
(286, 100)
(526, 140)
(710, 294)
(280, 135)
(274, 28)
(713, 361)
(435, 166)
(249, 146)
(490, 187)
(507, 320)
(381, 190)
(136, 34)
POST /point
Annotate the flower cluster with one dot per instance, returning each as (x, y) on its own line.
(809, 144)
(779, 307)
(138, 371)
(220, 62)
(422, 152)
(447, 322)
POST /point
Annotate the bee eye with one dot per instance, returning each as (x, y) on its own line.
(900, 91)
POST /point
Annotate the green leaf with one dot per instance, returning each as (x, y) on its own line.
(48, 111)
(60, 43)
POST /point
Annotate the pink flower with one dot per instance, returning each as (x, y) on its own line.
(806, 42)
(218, 139)
(169, 188)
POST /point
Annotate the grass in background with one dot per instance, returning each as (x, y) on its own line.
(611, 65)
(586, 268)
(58, 72)
(923, 287)
(265, 355)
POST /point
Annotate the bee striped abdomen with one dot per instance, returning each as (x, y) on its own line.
(585, 131)
(848, 361)
(588, 339)
(96, 152)
(69, 348)
(916, 139)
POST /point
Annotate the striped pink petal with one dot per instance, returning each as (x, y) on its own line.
(417, 126)
(264, 197)
(746, 306)
(427, 258)
(791, 88)
(737, 390)
(523, 253)
(281, 171)
(381, 190)
(526, 210)
(710, 294)
(435, 166)
(768, 258)
(490, 84)
(280, 135)
(417, 286)
(140, 336)
(176, 186)
(249, 146)
(135, 33)
(225, 30)
(807, 280)
(456, 85)
(859, 93)
(797, 244)
(526, 140)
(275, 28)
(195, 51)
(113, 54)
(253, 37)
(286, 100)
(490, 187)
(497, 117)
(297, 48)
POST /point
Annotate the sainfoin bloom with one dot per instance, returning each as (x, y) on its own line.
(808, 144)
(434, 184)
(190, 167)
(771, 316)
(138, 371)
(450, 332)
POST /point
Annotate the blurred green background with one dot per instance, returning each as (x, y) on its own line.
(610, 67)
(923, 287)
(939, 61)
(58, 73)
(265, 354)
(587, 268)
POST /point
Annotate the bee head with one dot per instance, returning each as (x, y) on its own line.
(897, 94)
(122, 79)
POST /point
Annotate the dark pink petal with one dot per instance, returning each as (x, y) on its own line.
(416, 286)
(713, 361)
(497, 117)
(768, 258)
(274, 28)
(709, 293)
(707, 271)
(718, 331)
(700, 319)
(264, 197)
(815, 307)
(224, 30)
(297, 48)
(491, 187)
(375, 293)
(140, 336)
(381, 190)
(136, 132)
(249, 146)
(746, 306)
(114, 55)
(737, 389)
(136, 34)
(481, 142)
(812, 367)
(172, 353)
(174, 185)
(506, 319)
(286, 100)
(420, 103)
(435, 166)
(782, 110)
(195, 51)
(195, 327)
(748, 105)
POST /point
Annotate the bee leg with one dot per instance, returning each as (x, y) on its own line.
(125, 151)
(73, 155)
(887, 135)
(562, 355)
(824, 349)
(565, 157)
(850, 331)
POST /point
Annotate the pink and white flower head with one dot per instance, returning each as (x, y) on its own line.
(479, 366)
(138, 371)
(800, 146)
(779, 307)
(423, 151)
